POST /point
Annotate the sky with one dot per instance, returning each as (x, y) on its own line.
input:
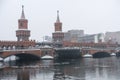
(92, 16)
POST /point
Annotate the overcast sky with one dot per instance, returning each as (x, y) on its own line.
(92, 16)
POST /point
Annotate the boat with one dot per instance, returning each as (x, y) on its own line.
(87, 55)
(67, 53)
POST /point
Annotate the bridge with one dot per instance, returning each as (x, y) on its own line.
(91, 50)
(95, 48)
(38, 52)
(98, 52)
(27, 54)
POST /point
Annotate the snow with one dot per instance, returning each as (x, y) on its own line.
(12, 58)
(87, 56)
(1, 59)
(46, 46)
(47, 57)
(113, 54)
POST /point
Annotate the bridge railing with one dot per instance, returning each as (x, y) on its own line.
(67, 48)
(27, 49)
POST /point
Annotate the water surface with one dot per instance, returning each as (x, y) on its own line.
(81, 69)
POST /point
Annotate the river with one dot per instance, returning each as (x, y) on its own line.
(81, 69)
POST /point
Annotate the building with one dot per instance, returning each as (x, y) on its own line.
(112, 37)
(58, 35)
(22, 33)
(73, 35)
(47, 38)
(95, 38)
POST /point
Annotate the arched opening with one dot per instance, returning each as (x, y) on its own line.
(4, 48)
(101, 54)
(27, 57)
(9, 47)
(118, 54)
(13, 47)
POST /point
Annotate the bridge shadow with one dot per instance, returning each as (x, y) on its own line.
(23, 75)
(27, 57)
(101, 55)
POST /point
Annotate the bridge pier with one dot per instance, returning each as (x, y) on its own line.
(46, 50)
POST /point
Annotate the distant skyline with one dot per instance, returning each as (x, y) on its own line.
(92, 16)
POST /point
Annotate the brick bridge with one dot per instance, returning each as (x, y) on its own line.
(27, 53)
(38, 53)
(96, 50)
(93, 48)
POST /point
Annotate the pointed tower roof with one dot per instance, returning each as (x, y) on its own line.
(58, 19)
(22, 15)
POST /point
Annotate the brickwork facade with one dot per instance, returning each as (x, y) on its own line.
(58, 35)
(22, 33)
(93, 45)
(17, 44)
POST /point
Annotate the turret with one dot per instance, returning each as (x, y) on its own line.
(23, 33)
(58, 24)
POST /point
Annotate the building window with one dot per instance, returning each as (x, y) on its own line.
(21, 24)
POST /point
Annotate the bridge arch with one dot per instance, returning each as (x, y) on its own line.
(118, 54)
(101, 54)
(25, 56)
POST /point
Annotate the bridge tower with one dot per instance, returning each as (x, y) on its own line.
(58, 35)
(22, 33)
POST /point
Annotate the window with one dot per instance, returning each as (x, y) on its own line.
(21, 24)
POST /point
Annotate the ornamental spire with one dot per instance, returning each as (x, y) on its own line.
(22, 15)
(58, 20)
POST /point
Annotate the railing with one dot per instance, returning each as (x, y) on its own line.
(38, 48)
(67, 48)
(29, 49)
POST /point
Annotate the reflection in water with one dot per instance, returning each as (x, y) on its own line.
(74, 70)
(102, 69)
(82, 69)
(23, 75)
